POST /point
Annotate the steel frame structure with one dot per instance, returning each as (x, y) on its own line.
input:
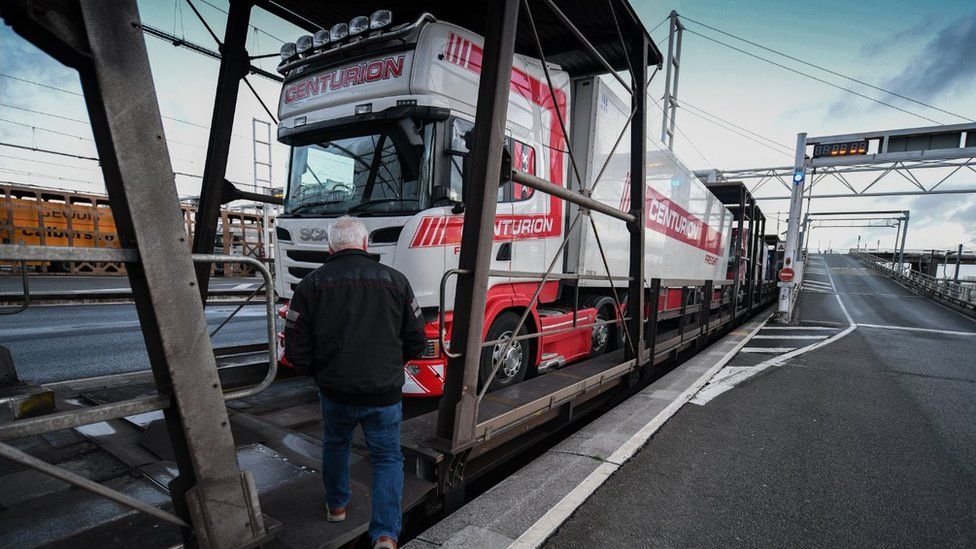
(213, 499)
(958, 151)
(211, 496)
(900, 217)
(457, 423)
(883, 163)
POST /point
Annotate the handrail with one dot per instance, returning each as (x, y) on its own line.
(440, 312)
(115, 410)
(25, 303)
(963, 293)
(269, 301)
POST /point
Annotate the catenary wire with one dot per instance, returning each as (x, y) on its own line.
(812, 77)
(825, 69)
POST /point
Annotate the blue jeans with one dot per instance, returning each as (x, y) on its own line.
(381, 427)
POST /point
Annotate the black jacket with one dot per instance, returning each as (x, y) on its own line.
(352, 324)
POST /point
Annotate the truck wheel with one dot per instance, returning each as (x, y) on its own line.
(603, 335)
(515, 362)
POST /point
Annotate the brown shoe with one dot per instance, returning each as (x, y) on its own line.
(385, 542)
(337, 514)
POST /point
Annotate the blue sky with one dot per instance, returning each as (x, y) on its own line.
(921, 50)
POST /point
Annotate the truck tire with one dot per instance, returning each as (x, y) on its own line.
(517, 359)
(610, 336)
(603, 336)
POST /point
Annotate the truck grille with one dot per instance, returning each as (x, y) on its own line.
(308, 256)
(299, 272)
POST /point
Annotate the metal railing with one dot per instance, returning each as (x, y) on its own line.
(115, 410)
(958, 293)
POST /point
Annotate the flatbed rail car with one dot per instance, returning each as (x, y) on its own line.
(472, 433)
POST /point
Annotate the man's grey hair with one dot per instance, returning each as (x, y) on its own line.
(347, 232)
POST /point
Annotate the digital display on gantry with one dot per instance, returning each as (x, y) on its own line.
(846, 148)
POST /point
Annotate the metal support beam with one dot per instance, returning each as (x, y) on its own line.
(638, 191)
(458, 411)
(958, 264)
(670, 103)
(785, 306)
(904, 235)
(104, 42)
(234, 66)
(736, 281)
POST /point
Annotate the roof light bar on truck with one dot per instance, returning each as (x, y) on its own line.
(379, 22)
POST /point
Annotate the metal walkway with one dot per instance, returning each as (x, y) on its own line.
(863, 437)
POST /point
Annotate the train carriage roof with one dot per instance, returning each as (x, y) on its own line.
(594, 18)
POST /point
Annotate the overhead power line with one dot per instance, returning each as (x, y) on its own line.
(825, 69)
(48, 151)
(739, 133)
(255, 27)
(62, 90)
(784, 146)
(812, 77)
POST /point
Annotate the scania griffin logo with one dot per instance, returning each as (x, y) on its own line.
(313, 233)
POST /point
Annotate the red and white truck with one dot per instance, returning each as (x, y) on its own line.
(376, 118)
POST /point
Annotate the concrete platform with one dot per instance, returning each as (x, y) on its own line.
(526, 507)
(865, 438)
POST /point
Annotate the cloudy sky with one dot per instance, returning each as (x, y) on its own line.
(923, 51)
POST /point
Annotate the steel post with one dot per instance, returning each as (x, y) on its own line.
(904, 236)
(638, 190)
(785, 306)
(669, 106)
(750, 253)
(234, 65)
(103, 40)
(458, 411)
(736, 281)
(958, 263)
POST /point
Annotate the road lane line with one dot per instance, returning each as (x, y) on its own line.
(536, 534)
(767, 350)
(912, 329)
(784, 336)
(799, 328)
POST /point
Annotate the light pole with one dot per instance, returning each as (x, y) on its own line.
(783, 310)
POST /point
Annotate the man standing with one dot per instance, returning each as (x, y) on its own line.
(352, 324)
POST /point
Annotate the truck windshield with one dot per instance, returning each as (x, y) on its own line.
(384, 171)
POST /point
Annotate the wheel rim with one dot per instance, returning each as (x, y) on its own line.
(511, 363)
(601, 334)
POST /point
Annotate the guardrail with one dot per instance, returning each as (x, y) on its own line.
(84, 416)
(960, 296)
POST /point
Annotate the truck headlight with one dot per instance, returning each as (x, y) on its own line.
(380, 19)
(288, 52)
(338, 32)
(358, 25)
(320, 39)
(433, 349)
(303, 44)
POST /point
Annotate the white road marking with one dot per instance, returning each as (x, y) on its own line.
(799, 328)
(245, 286)
(536, 535)
(713, 390)
(789, 337)
(912, 329)
(767, 350)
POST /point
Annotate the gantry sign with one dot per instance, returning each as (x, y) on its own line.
(897, 151)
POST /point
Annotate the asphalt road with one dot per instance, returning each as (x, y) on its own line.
(54, 343)
(868, 440)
